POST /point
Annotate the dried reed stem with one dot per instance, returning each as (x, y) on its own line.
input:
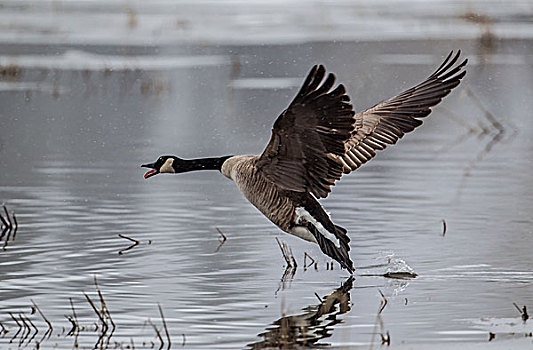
(105, 309)
(384, 302)
(4, 221)
(283, 248)
(4, 329)
(129, 238)
(14, 319)
(50, 328)
(164, 325)
(7, 216)
(102, 319)
(157, 333)
(135, 243)
(313, 261)
(224, 238)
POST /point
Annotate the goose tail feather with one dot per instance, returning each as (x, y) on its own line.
(340, 253)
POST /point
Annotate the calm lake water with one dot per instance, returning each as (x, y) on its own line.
(78, 120)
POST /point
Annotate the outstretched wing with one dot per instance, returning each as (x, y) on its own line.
(319, 137)
(309, 137)
(387, 122)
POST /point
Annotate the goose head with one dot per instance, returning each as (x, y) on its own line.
(164, 164)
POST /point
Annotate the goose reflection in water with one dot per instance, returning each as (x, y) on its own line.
(308, 328)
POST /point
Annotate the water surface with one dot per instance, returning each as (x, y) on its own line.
(76, 125)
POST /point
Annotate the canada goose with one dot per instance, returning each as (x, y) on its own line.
(316, 140)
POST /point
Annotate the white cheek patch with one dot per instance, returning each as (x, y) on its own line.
(304, 215)
(167, 166)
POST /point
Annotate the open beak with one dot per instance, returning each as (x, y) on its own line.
(150, 173)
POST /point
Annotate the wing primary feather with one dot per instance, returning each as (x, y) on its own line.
(452, 73)
(328, 83)
(446, 65)
(317, 79)
(305, 86)
(443, 64)
(339, 91)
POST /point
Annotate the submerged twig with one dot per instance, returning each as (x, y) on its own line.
(27, 330)
(19, 327)
(284, 252)
(105, 312)
(105, 309)
(73, 323)
(73, 311)
(15, 221)
(313, 261)
(14, 319)
(164, 325)
(385, 338)
(10, 226)
(75, 331)
(50, 328)
(105, 327)
(16, 226)
(222, 239)
(4, 222)
(31, 323)
(384, 302)
(7, 238)
(129, 238)
(4, 231)
(158, 333)
(523, 312)
(135, 243)
(293, 259)
(102, 319)
(290, 269)
(7, 216)
(34, 327)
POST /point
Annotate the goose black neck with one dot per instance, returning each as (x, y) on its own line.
(203, 164)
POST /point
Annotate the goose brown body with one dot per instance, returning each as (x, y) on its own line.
(274, 202)
(297, 213)
(316, 140)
